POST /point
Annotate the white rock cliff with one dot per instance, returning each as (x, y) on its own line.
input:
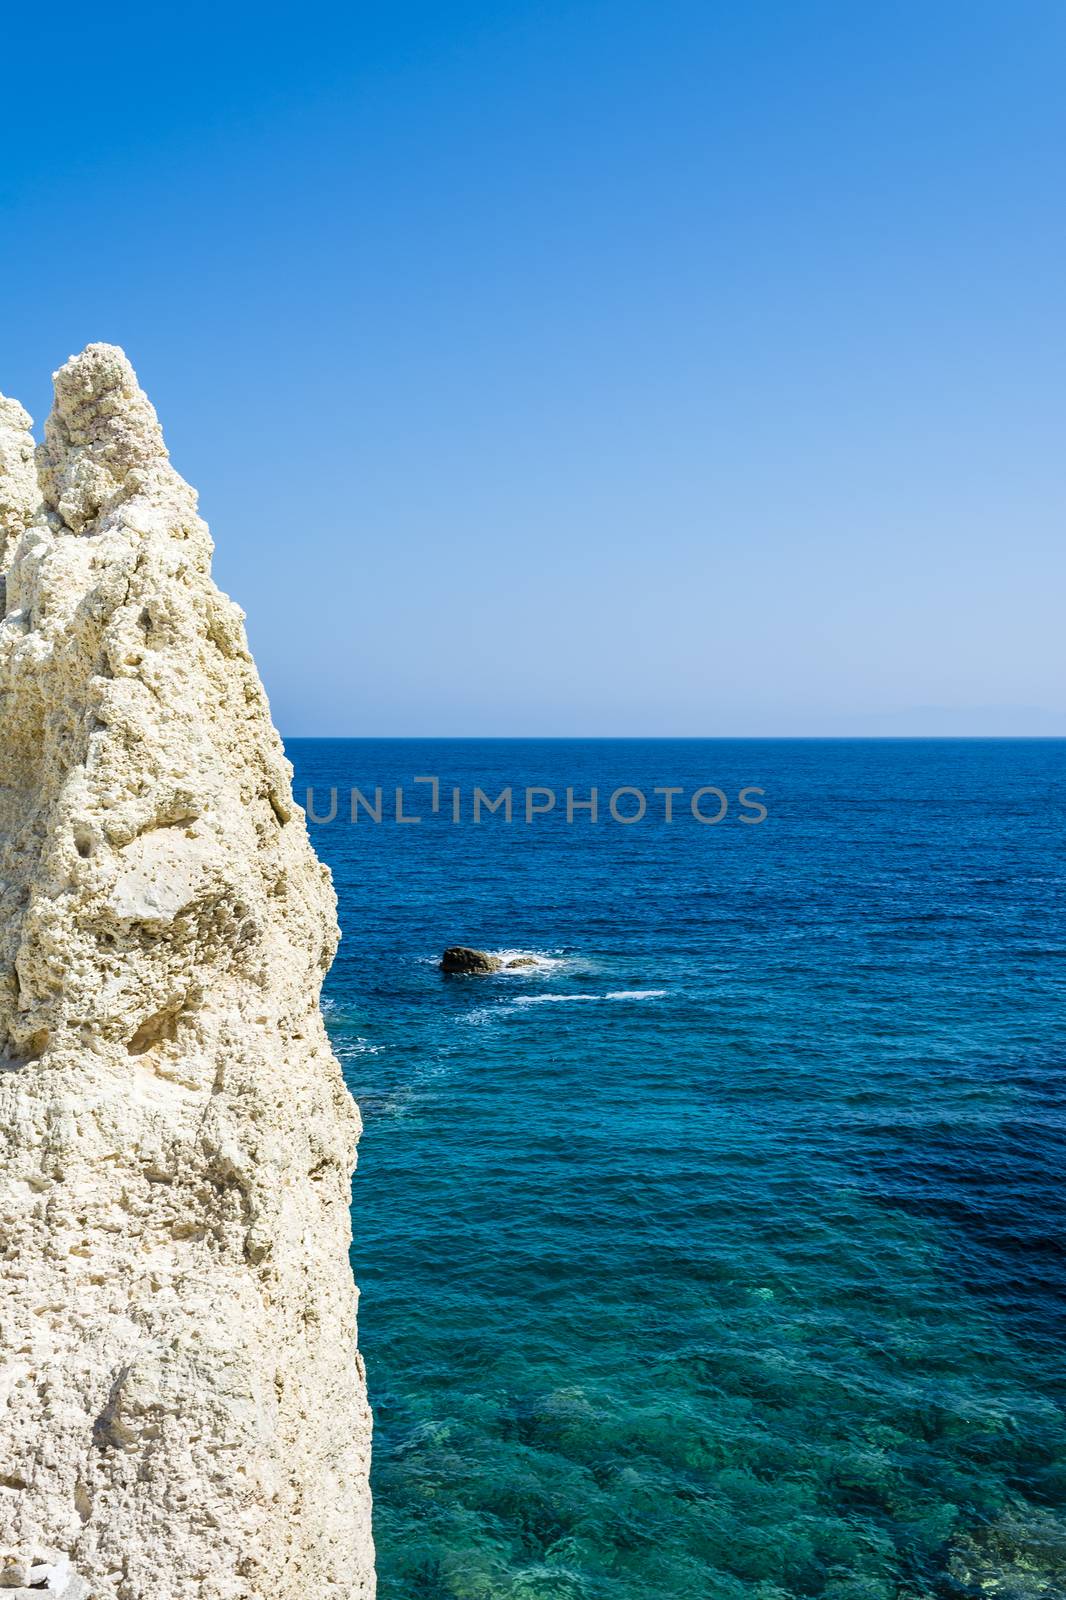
(182, 1406)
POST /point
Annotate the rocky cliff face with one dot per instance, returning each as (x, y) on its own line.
(182, 1407)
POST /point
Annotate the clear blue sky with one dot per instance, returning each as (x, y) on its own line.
(581, 366)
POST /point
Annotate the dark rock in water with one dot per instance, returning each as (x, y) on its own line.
(458, 958)
(522, 961)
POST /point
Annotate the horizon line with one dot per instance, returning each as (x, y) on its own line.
(695, 738)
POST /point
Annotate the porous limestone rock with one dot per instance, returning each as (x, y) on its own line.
(20, 494)
(183, 1413)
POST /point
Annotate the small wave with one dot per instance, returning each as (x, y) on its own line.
(347, 1049)
(550, 999)
(614, 994)
(481, 1016)
(545, 961)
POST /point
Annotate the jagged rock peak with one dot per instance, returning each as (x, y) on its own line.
(102, 441)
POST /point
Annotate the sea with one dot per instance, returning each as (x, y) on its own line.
(717, 1254)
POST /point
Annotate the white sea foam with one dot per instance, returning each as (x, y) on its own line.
(546, 999)
(348, 1049)
(613, 994)
(546, 961)
(636, 994)
(487, 1015)
(482, 1016)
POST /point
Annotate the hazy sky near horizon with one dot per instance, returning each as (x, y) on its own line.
(581, 366)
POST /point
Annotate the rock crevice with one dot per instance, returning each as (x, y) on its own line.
(183, 1411)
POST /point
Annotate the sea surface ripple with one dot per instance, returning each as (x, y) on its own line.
(718, 1255)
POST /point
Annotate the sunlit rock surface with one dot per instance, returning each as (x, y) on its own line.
(182, 1406)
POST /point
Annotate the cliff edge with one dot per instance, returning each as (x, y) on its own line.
(182, 1406)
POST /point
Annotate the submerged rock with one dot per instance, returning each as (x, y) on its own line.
(459, 958)
(185, 1415)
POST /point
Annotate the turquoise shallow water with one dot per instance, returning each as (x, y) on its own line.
(718, 1255)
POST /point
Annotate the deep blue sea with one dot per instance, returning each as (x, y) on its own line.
(716, 1257)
